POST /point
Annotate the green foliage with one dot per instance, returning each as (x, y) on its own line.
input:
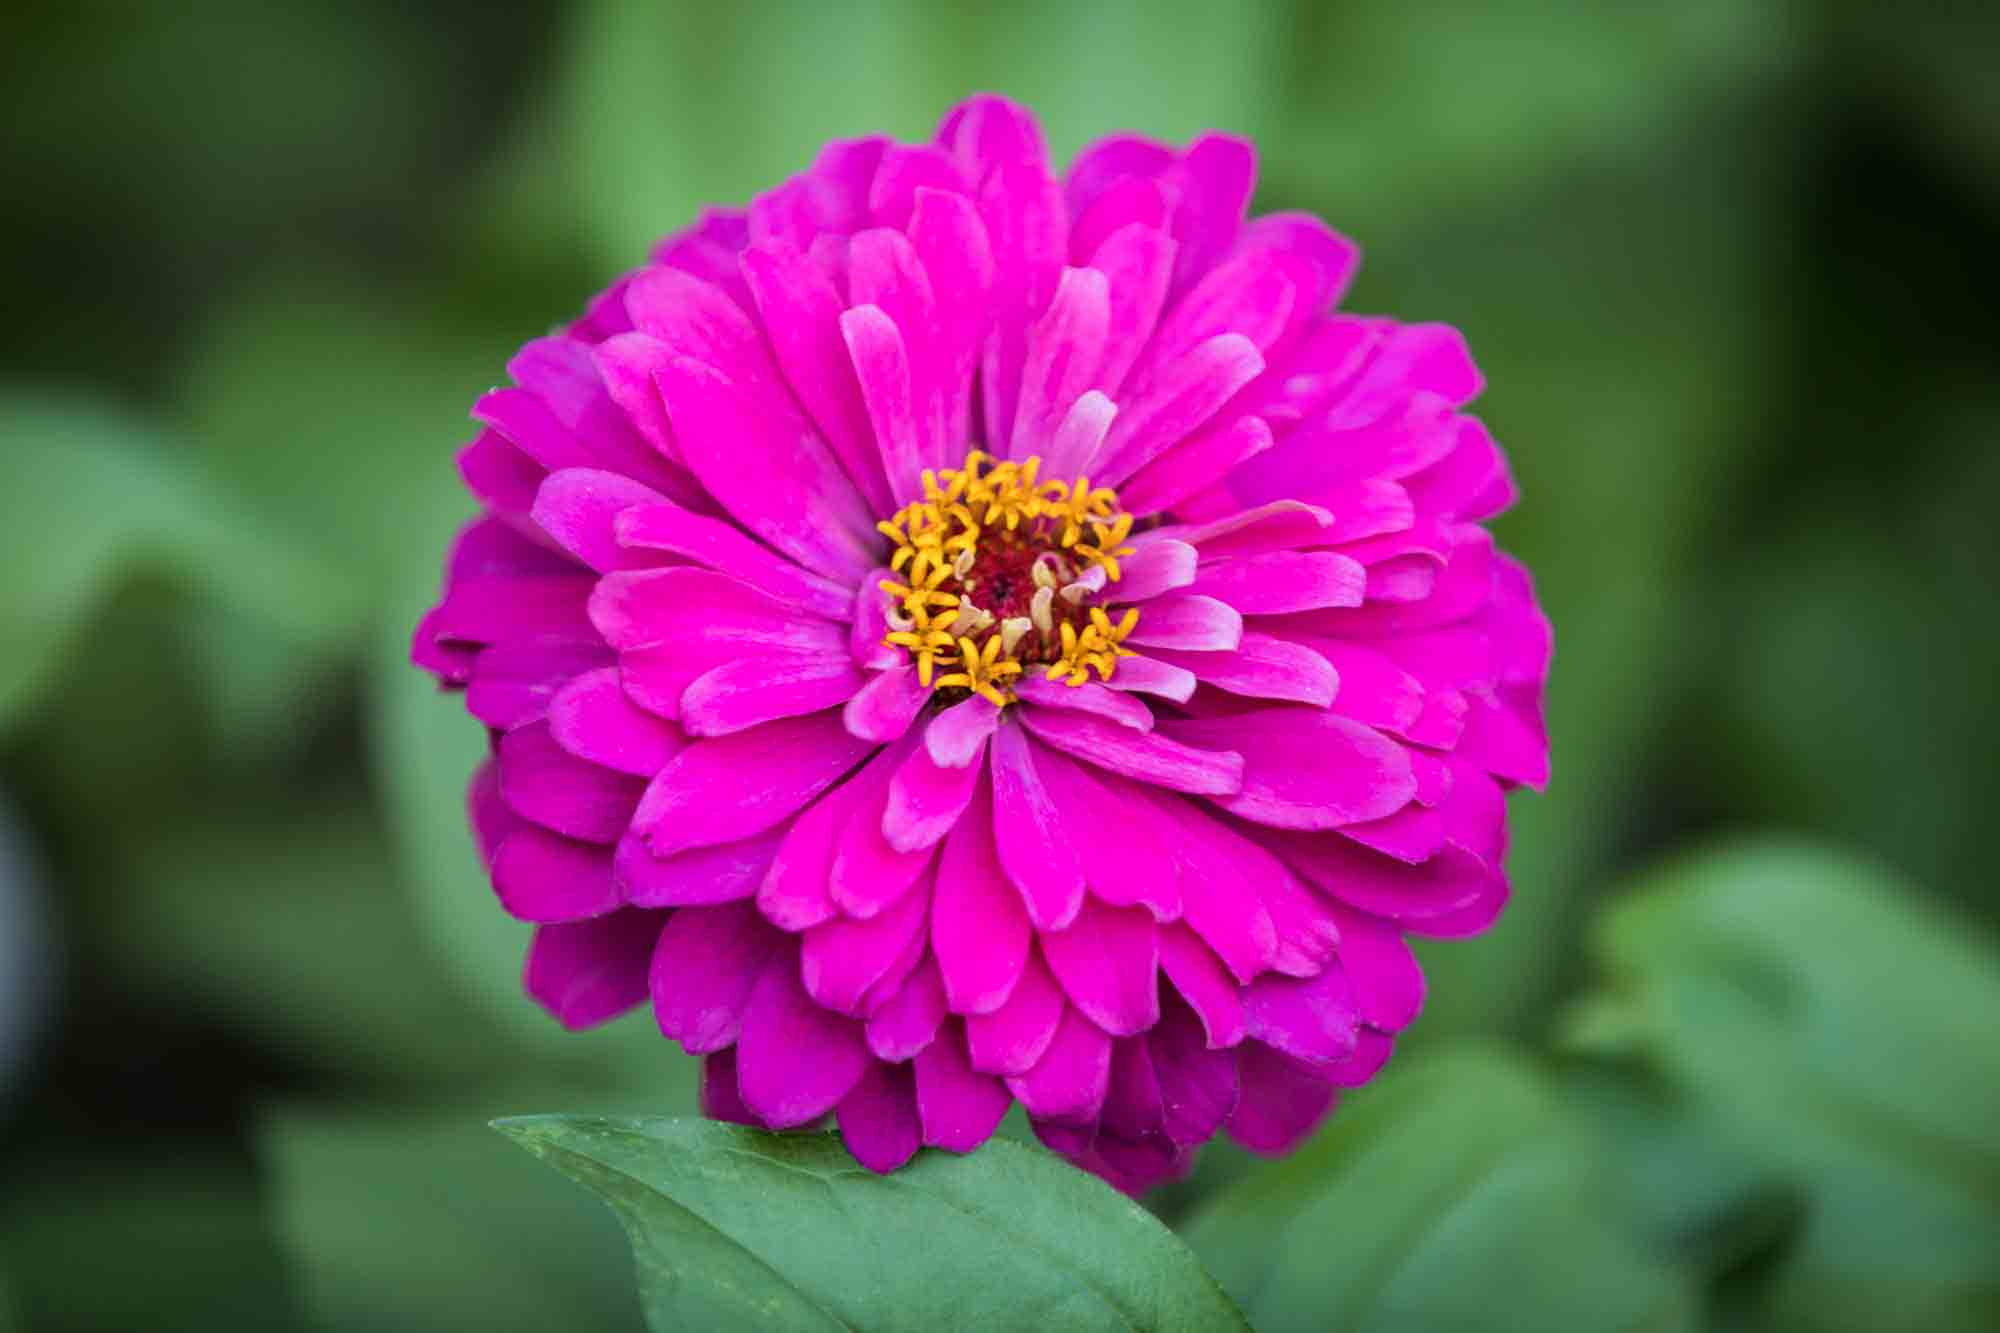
(1811, 1015)
(732, 1228)
(1457, 1194)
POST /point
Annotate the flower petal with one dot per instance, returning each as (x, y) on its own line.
(703, 970)
(794, 1060)
(729, 787)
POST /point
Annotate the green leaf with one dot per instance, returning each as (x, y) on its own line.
(1829, 1022)
(93, 496)
(1454, 1194)
(736, 1229)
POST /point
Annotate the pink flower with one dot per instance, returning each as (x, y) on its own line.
(954, 635)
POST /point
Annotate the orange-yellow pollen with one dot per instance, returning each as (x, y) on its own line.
(989, 561)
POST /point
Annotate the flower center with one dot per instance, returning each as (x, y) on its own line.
(1000, 570)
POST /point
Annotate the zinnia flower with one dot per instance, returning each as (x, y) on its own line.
(953, 635)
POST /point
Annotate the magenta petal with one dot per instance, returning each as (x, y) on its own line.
(1388, 984)
(698, 876)
(592, 719)
(750, 691)
(1186, 621)
(1107, 961)
(1132, 1105)
(542, 876)
(1220, 872)
(514, 683)
(1283, 1101)
(1282, 582)
(1307, 926)
(882, 366)
(703, 970)
(1089, 697)
(960, 1107)
(1063, 352)
(1195, 464)
(886, 704)
(909, 1021)
(1141, 674)
(956, 737)
(953, 246)
(720, 1097)
(1179, 403)
(1138, 259)
(1011, 1038)
(587, 972)
(1204, 983)
(1068, 1083)
(840, 959)
(578, 507)
(878, 1118)
(1263, 667)
(1198, 1088)
(1147, 756)
(797, 893)
(1135, 868)
(979, 930)
(801, 316)
(722, 547)
(1157, 565)
(1375, 883)
(767, 466)
(1314, 1019)
(868, 874)
(1303, 768)
(1033, 846)
(727, 788)
(926, 800)
(794, 1060)
(712, 617)
(547, 784)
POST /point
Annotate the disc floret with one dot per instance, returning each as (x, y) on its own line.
(992, 563)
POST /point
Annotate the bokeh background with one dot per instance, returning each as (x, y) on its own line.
(1729, 268)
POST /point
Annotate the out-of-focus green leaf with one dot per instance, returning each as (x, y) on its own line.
(93, 496)
(732, 1228)
(1454, 1195)
(1833, 1025)
(418, 1217)
(287, 920)
(174, 1240)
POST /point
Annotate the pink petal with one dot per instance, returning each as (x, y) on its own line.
(1198, 1088)
(588, 972)
(882, 366)
(1068, 1083)
(1204, 983)
(703, 970)
(1010, 1039)
(1136, 866)
(541, 876)
(1064, 349)
(751, 691)
(1283, 582)
(727, 788)
(956, 737)
(1089, 697)
(1156, 566)
(578, 506)
(1263, 667)
(1146, 756)
(514, 683)
(1283, 1101)
(547, 784)
(878, 1117)
(1183, 620)
(592, 718)
(664, 526)
(909, 1021)
(840, 959)
(886, 704)
(1314, 1020)
(1195, 464)
(1304, 768)
(1185, 396)
(979, 930)
(960, 1107)
(1027, 829)
(1107, 962)
(1388, 984)
(926, 800)
(698, 876)
(794, 1060)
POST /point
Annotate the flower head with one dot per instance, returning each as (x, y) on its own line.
(956, 635)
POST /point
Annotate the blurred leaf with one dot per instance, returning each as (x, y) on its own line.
(418, 1217)
(285, 918)
(1454, 1194)
(335, 407)
(1832, 1024)
(174, 1240)
(736, 1229)
(93, 496)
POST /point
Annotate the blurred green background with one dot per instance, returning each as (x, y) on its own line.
(1730, 269)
